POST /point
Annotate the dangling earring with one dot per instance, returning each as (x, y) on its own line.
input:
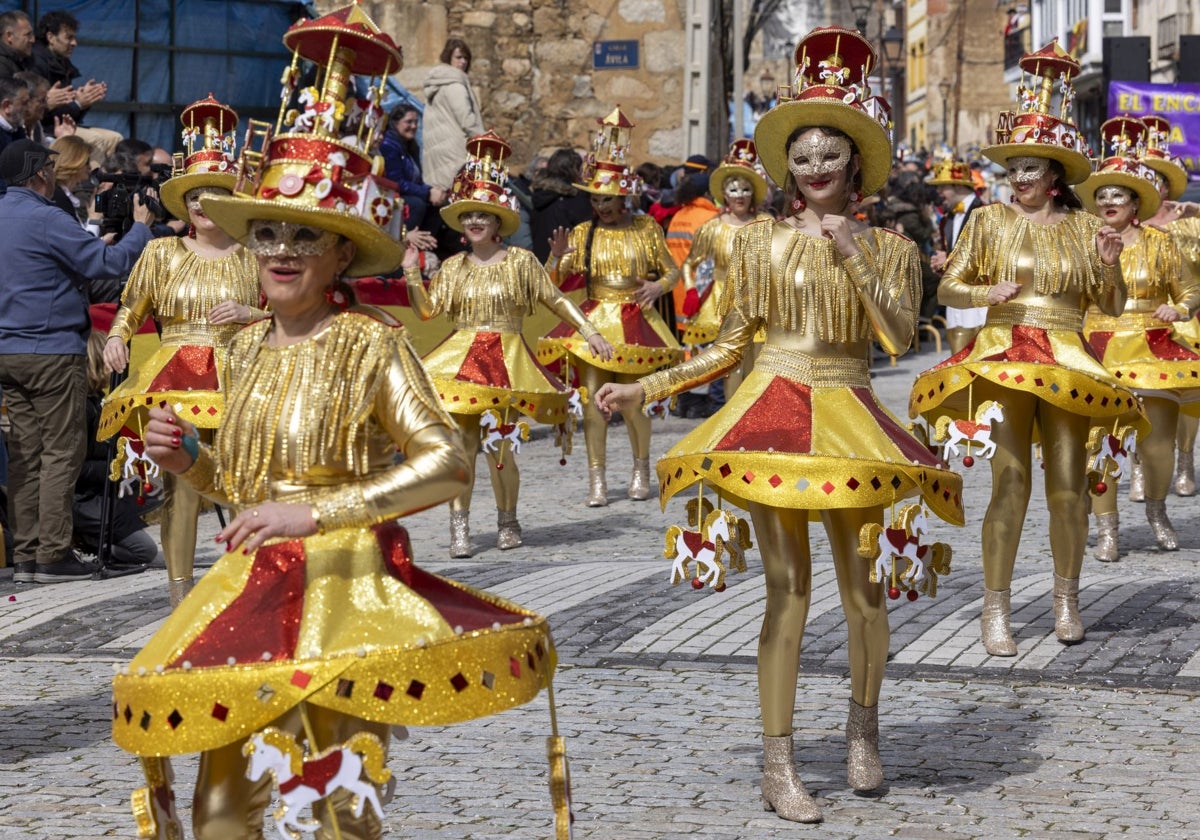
(496, 238)
(462, 240)
(191, 231)
(336, 296)
(1012, 199)
(855, 196)
(1136, 222)
(798, 204)
(1053, 192)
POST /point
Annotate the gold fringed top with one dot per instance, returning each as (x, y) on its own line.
(1186, 233)
(621, 256)
(714, 239)
(809, 298)
(496, 296)
(1062, 258)
(1155, 274)
(319, 422)
(179, 288)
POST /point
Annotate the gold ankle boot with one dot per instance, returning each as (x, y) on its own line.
(639, 484)
(598, 487)
(1107, 546)
(782, 790)
(994, 624)
(864, 770)
(1185, 473)
(1137, 481)
(1067, 625)
(460, 533)
(178, 588)
(1164, 532)
(508, 530)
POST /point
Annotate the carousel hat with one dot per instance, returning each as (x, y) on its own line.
(948, 172)
(481, 187)
(1125, 137)
(741, 162)
(208, 135)
(606, 169)
(1159, 158)
(830, 90)
(304, 169)
(1035, 132)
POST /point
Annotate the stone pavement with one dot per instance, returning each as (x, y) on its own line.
(656, 687)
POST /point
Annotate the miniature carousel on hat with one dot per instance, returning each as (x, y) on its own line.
(606, 169)
(482, 185)
(208, 136)
(1125, 137)
(1036, 132)
(741, 162)
(306, 169)
(1157, 156)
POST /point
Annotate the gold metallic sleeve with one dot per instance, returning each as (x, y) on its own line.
(1185, 287)
(201, 476)
(889, 305)
(558, 303)
(137, 299)
(662, 263)
(960, 286)
(418, 296)
(1113, 294)
(725, 352)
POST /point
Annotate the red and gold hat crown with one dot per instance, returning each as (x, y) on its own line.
(830, 88)
(1159, 158)
(606, 169)
(741, 162)
(209, 129)
(315, 165)
(1036, 132)
(482, 185)
(1125, 138)
(950, 172)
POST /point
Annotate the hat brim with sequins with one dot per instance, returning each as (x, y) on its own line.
(1044, 136)
(729, 171)
(1127, 173)
(452, 214)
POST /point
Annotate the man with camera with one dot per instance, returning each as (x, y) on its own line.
(50, 261)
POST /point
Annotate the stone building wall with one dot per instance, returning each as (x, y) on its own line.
(532, 66)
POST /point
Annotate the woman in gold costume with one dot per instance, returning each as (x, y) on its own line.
(1036, 263)
(804, 437)
(1138, 347)
(742, 189)
(485, 364)
(316, 625)
(623, 262)
(200, 289)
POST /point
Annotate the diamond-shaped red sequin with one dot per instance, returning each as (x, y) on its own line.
(828, 487)
(725, 470)
(300, 679)
(514, 667)
(459, 682)
(383, 691)
(775, 481)
(748, 477)
(415, 689)
(853, 484)
(220, 712)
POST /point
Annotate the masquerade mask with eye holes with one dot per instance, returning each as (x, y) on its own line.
(288, 239)
(737, 188)
(1113, 197)
(1027, 170)
(816, 153)
(192, 197)
(477, 217)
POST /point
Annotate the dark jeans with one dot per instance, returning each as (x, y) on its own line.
(131, 545)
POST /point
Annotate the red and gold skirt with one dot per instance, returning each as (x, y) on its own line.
(640, 339)
(182, 376)
(1153, 361)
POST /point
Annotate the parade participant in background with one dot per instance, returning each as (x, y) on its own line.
(622, 261)
(953, 181)
(1182, 221)
(200, 289)
(742, 189)
(1036, 263)
(804, 437)
(484, 371)
(316, 626)
(1138, 347)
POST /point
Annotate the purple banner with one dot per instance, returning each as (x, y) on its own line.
(1178, 103)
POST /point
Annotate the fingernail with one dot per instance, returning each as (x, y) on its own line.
(175, 443)
(228, 547)
(171, 420)
(245, 551)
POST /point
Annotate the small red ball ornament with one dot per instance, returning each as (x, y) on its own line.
(1101, 488)
(562, 462)
(499, 466)
(697, 583)
(147, 487)
(912, 595)
(720, 587)
(894, 593)
(968, 461)
(141, 500)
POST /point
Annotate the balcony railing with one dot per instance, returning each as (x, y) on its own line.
(1168, 38)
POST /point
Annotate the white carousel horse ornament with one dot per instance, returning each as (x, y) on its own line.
(564, 432)
(717, 533)
(1112, 450)
(657, 408)
(902, 542)
(304, 780)
(496, 433)
(135, 471)
(977, 431)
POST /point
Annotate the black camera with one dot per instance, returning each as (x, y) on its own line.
(115, 204)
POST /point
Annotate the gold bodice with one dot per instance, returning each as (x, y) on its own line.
(1186, 233)
(1155, 273)
(621, 257)
(715, 240)
(179, 288)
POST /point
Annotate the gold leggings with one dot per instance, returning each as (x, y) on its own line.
(1186, 439)
(595, 427)
(228, 806)
(1156, 452)
(180, 510)
(1064, 449)
(506, 483)
(783, 543)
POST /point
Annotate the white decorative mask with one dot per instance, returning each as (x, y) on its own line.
(1113, 196)
(1027, 170)
(815, 153)
(736, 188)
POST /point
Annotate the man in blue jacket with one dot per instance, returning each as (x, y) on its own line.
(48, 263)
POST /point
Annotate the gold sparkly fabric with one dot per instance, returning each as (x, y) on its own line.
(1034, 341)
(342, 619)
(804, 430)
(178, 288)
(486, 364)
(713, 241)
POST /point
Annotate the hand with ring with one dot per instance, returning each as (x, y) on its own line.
(269, 520)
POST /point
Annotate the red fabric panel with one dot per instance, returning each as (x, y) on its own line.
(1164, 348)
(637, 329)
(1099, 342)
(780, 419)
(484, 364)
(191, 367)
(909, 446)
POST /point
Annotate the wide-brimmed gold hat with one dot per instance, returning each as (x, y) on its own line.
(1159, 158)
(481, 186)
(741, 162)
(1125, 137)
(833, 65)
(1034, 131)
(208, 135)
(948, 172)
(304, 169)
(606, 169)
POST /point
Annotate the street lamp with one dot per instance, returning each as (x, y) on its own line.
(860, 8)
(944, 90)
(892, 45)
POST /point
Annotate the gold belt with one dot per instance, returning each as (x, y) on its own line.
(611, 295)
(202, 334)
(1020, 315)
(1098, 321)
(817, 371)
(495, 326)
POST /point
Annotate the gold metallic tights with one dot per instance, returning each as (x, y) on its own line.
(1156, 452)
(506, 483)
(1064, 445)
(228, 806)
(787, 561)
(595, 427)
(180, 510)
(1186, 439)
